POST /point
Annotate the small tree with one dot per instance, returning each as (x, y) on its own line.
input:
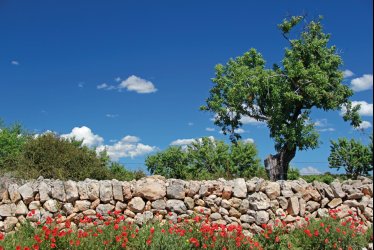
(283, 96)
(352, 155)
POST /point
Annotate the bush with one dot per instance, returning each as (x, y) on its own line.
(206, 159)
(293, 173)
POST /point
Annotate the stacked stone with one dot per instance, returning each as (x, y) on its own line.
(249, 203)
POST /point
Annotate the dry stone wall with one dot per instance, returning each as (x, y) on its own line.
(250, 203)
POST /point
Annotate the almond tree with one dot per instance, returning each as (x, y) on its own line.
(283, 96)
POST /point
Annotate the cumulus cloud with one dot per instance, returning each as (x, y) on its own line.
(249, 140)
(84, 134)
(366, 109)
(210, 129)
(81, 85)
(128, 146)
(238, 131)
(13, 62)
(185, 142)
(347, 73)
(362, 83)
(321, 123)
(309, 171)
(137, 84)
(190, 124)
(364, 125)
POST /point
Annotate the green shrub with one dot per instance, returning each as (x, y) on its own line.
(206, 159)
(293, 173)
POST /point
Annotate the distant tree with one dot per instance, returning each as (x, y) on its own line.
(283, 96)
(171, 163)
(206, 158)
(352, 155)
(293, 174)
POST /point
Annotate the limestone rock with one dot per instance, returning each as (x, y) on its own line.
(82, 205)
(176, 206)
(234, 213)
(159, 204)
(272, 190)
(150, 188)
(259, 201)
(117, 190)
(283, 202)
(82, 190)
(337, 189)
(175, 190)
(68, 208)
(312, 206)
(120, 206)
(27, 192)
(293, 206)
(193, 188)
(10, 223)
(71, 191)
(34, 205)
(7, 210)
(51, 205)
(240, 188)
(45, 191)
(126, 189)
(335, 202)
(93, 187)
(261, 217)
(136, 205)
(247, 218)
(104, 209)
(106, 191)
(189, 202)
(215, 216)
(58, 191)
(21, 208)
(14, 195)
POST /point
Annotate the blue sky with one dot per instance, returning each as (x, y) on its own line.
(131, 75)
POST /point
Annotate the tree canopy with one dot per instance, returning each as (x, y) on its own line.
(283, 96)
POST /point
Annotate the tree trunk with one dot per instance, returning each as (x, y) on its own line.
(277, 165)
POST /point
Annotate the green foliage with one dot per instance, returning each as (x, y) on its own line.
(12, 140)
(283, 96)
(326, 178)
(119, 172)
(352, 155)
(293, 173)
(54, 157)
(170, 163)
(206, 159)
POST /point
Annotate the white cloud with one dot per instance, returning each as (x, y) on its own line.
(362, 83)
(366, 109)
(137, 84)
(184, 142)
(128, 146)
(105, 86)
(117, 79)
(309, 171)
(347, 73)
(321, 122)
(210, 129)
(13, 62)
(81, 85)
(102, 86)
(250, 120)
(111, 115)
(84, 133)
(238, 131)
(326, 130)
(364, 125)
(190, 124)
(249, 140)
